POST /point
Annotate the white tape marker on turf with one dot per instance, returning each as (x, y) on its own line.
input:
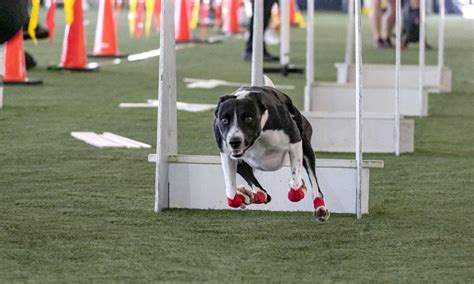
(193, 83)
(107, 140)
(179, 105)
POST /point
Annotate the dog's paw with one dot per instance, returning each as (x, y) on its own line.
(239, 201)
(246, 193)
(260, 197)
(295, 195)
(255, 197)
(321, 213)
(242, 198)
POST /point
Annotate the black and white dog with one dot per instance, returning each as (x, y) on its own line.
(259, 128)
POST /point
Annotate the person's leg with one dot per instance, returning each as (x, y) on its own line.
(248, 44)
(375, 19)
(267, 12)
(267, 15)
(389, 21)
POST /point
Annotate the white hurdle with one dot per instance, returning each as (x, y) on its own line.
(436, 78)
(330, 108)
(194, 181)
(379, 83)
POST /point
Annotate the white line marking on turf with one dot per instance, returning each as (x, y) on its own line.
(193, 83)
(107, 140)
(179, 105)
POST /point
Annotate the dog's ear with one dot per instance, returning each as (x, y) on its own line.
(267, 81)
(221, 100)
(257, 97)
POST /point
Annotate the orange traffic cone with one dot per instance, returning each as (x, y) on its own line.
(50, 23)
(157, 15)
(182, 28)
(139, 19)
(105, 44)
(231, 19)
(14, 70)
(73, 55)
(292, 12)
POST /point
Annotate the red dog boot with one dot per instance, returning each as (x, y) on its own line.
(242, 198)
(321, 213)
(257, 197)
(295, 195)
(260, 197)
(237, 201)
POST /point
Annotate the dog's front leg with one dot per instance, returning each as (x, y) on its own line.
(234, 199)
(297, 186)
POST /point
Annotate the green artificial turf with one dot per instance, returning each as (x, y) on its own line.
(70, 212)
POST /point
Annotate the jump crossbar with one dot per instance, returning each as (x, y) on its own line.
(320, 163)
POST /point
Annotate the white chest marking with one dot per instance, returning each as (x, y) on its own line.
(234, 131)
(269, 152)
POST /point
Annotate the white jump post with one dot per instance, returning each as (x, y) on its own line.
(285, 66)
(442, 19)
(359, 120)
(349, 43)
(257, 45)
(422, 47)
(309, 54)
(284, 33)
(398, 32)
(166, 141)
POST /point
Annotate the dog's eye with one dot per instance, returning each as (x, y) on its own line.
(224, 121)
(248, 119)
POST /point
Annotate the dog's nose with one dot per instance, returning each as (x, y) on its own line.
(235, 142)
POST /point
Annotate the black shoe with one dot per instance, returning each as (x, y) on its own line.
(41, 33)
(388, 43)
(30, 61)
(383, 43)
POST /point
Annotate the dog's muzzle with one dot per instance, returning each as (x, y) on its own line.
(236, 148)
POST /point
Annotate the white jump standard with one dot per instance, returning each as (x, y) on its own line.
(198, 181)
(330, 108)
(436, 78)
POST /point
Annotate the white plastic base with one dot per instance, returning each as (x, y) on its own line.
(334, 97)
(198, 182)
(334, 132)
(383, 76)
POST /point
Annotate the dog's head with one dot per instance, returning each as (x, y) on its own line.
(239, 119)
